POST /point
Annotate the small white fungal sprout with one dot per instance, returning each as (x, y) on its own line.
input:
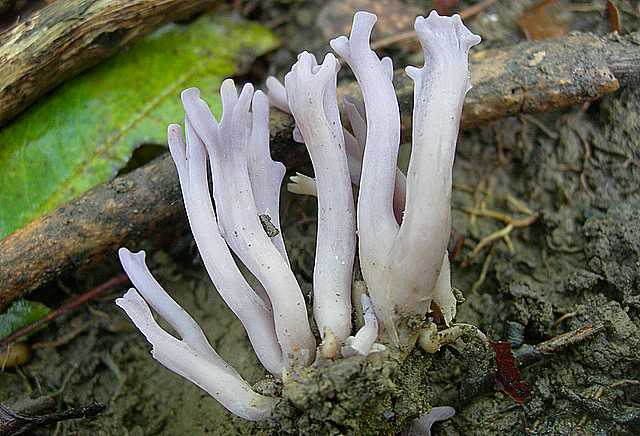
(363, 342)
(277, 94)
(328, 348)
(422, 426)
(403, 223)
(303, 185)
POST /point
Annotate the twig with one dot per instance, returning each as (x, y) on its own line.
(596, 396)
(480, 193)
(499, 234)
(16, 423)
(561, 248)
(516, 223)
(599, 410)
(63, 39)
(509, 243)
(120, 377)
(503, 233)
(58, 342)
(528, 354)
(564, 317)
(519, 205)
(65, 308)
(540, 125)
(483, 273)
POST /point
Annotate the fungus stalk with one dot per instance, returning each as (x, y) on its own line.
(311, 95)
(266, 175)
(402, 263)
(354, 147)
(440, 88)
(376, 222)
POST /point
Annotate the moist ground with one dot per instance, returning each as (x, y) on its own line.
(578, 263)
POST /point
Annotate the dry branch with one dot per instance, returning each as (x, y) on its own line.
(66, 37)
(529, 77)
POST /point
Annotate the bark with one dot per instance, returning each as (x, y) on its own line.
(67, 37)
(539, 76)
(529, 77)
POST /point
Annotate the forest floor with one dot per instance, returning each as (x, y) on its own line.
(563, 189)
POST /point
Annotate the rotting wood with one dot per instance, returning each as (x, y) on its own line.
(67, 37)
(529, 77)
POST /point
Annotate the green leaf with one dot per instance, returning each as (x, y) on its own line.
(86, 130)
(20, 314)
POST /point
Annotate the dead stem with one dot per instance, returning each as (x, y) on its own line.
(17, 423)
(560, 248)
(463, 188)
(507, 219)
(539, 124)
(598, 410)
(63, 340)
(490, 238)
(480, 193)
(65, 308)
(529, 354)
(483, 273)
(564, 317)
(519, 205)
(598, 394)
(503, 233)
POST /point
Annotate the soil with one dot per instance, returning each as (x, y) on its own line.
(576, 263)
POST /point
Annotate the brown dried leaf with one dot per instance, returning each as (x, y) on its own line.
(543, 20)
(613, 14)
(508, 377)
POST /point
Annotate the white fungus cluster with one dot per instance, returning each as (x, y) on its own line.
(402, 223)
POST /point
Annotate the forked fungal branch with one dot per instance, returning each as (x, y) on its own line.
(402, 223)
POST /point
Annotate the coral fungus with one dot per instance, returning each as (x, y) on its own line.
(402, 223)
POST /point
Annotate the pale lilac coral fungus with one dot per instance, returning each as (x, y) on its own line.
(402, 223)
